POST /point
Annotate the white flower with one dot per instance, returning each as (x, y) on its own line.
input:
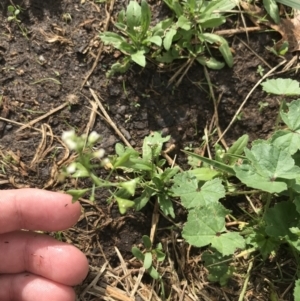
(93, 137)
(99, 153)
(71, 168)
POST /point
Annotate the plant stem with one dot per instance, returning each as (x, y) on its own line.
(269, 198)
(242, 294)
(278, 118)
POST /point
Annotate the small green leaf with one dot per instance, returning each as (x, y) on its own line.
(212, 22)
(280, 219)
(204, 173)
(148, 260)
(141, 201)
(169, 38)
(119, 149)
(76, 194)
(294, 4)
(218, 268)
(211, 63)
(281, 86)
(166, 205)
(10, 8)
(157, 40)
(145, 16)
(236, 149)
(130, 185)
(152, 145)
(124, 204)
(133, 16)
(137, 253)
(153, 272)
(219, 5)
(147, 242)
(160, 255)
(297, 291)
(139, 58)
(81, 171)
(184, 23)
(112, 38)
(272, 9)
(221, 166)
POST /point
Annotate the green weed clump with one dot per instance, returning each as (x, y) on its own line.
(269, 169)
(184, 36)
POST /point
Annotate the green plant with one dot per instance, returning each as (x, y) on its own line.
(269, 169)
(184, 36)
(136, 38)
(144, 175)
(149, 256)
(14, 12)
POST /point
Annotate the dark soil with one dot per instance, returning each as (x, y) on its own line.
(45, 70)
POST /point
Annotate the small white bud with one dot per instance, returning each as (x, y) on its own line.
(71, 168)
(69, 139)
(93, 137)
(99, 153)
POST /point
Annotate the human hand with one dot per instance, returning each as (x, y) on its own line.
(33, 266)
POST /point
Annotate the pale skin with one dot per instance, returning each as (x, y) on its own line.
(33, 266)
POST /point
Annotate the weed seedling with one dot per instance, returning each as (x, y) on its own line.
(14, 12)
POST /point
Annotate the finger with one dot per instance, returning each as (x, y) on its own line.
(28, 287)
(35, 209)
(42, 255)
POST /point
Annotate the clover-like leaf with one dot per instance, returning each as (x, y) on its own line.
(187, 188)
(281, 86)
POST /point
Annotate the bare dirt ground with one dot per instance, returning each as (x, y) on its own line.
(47, 79)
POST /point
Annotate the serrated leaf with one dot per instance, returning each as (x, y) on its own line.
(280, 218)
(281, 86)
(263, 243)
(287, 140)
(292, 117)
(206, 225)
(218, 268)
(152, 145)
(139, 58)
(186, 186)
(269, 165)
(169, 38)
(272, 9)
(297, 291)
